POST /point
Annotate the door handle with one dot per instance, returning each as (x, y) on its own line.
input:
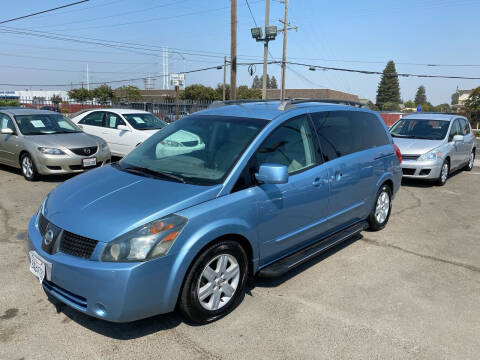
(317, 182)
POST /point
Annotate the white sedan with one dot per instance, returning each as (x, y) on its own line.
(122, 129)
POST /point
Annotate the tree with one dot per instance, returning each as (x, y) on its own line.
(455, 97)
(198, 92)
(129, 93)
(372, 106)
(445, 108)
(273, 83)
(390, 106)
(409, 104)
(104, 94)
(81, 95)
(219, 92)
(244, 92)
(257, 82)
(56, 99)
(473, 101)
(421, 96)
(388, 88)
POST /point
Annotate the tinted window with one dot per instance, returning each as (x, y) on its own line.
(113, 120)
(455, 130)
(95, 119)
(291, 145)
(345, 132)
(427, 129)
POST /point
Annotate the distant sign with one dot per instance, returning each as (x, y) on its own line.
(419, 108)
(177, 79)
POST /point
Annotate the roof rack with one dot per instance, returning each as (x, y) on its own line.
(289, 103)
(220, 103)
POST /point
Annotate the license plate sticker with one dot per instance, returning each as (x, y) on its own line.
(89, 162)
(37, 266)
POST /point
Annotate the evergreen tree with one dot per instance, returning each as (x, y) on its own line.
(421, 96)
(389, 88)
(257, 82)
(273, 83)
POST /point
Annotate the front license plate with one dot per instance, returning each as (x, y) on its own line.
(37, 266)
(89, 162)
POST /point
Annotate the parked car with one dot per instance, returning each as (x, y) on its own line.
(122, 129)
(41, 142)
(272, 186)
(50, 108)
(433, 145)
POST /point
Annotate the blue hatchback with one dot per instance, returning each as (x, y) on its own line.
(206, 203)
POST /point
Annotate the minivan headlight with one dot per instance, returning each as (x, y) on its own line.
(431, 155)
(146, 242)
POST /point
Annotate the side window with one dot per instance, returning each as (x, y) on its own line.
(6, 122)
(454, 130)
(113, 120)
(290, 144)
(465, 126)
(94, 119)
(345, 132)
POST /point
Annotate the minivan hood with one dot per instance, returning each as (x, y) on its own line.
(107, 202)
(416, 146)
(69, 141)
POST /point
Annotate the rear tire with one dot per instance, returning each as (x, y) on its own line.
(381, 210)
(445, 170)
(29, 170)
(471, 159)
(215, 283)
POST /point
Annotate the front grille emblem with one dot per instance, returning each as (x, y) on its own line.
(86, 151)
(48, 238)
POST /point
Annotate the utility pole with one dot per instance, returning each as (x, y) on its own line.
(284, 55)
(88, 80)
(265, 51)
(224, 76)
(233, 50)
(176, 101)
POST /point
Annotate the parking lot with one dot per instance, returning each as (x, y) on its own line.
(409, 291)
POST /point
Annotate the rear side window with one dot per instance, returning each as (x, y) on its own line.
(345, 132)
(94, 119)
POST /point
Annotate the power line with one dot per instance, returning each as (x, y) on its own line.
(44, 11)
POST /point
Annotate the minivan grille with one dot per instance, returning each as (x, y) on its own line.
(86, 151)
(77, 245)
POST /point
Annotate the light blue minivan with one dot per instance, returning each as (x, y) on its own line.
(210, 201)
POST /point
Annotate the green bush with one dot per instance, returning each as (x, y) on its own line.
(10, 102)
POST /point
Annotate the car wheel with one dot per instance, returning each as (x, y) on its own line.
(471, 160)
(382, 208)
(29, 169)
(442, 178)
(215, 283)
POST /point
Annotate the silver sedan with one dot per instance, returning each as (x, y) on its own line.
(45, 142)
(434, 145)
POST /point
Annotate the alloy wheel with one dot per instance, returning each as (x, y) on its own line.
(218, 282)
(383, 207)
(27, 166)
(444, 174)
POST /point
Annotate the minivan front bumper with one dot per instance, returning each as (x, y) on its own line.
(117, 292)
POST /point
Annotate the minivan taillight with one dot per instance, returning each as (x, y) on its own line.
(398, 153)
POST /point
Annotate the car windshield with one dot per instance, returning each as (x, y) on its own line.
(420, 129)
(144, 121)
(45, 124)
(196, 149)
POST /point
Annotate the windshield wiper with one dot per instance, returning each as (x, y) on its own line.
(144, 170)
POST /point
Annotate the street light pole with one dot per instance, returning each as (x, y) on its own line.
(224, 76)
(233, 50)
(265, 51)
(284, 55)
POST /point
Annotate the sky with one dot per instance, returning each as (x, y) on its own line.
(361, 35)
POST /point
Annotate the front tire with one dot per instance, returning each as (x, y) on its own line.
(215, 283)
(382, 208)
(471, 160)
(444, 171)
(29, 170)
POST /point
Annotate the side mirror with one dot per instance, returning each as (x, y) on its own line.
(123, 127)
(272, 174)
(458, 138)
(7, 131)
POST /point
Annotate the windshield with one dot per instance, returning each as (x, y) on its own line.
(420, 129)
(195, 149)
(44, 124)
(144, 121)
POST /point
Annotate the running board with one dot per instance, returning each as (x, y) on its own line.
(290, 262)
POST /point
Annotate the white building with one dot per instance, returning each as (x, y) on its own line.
(33, 95)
